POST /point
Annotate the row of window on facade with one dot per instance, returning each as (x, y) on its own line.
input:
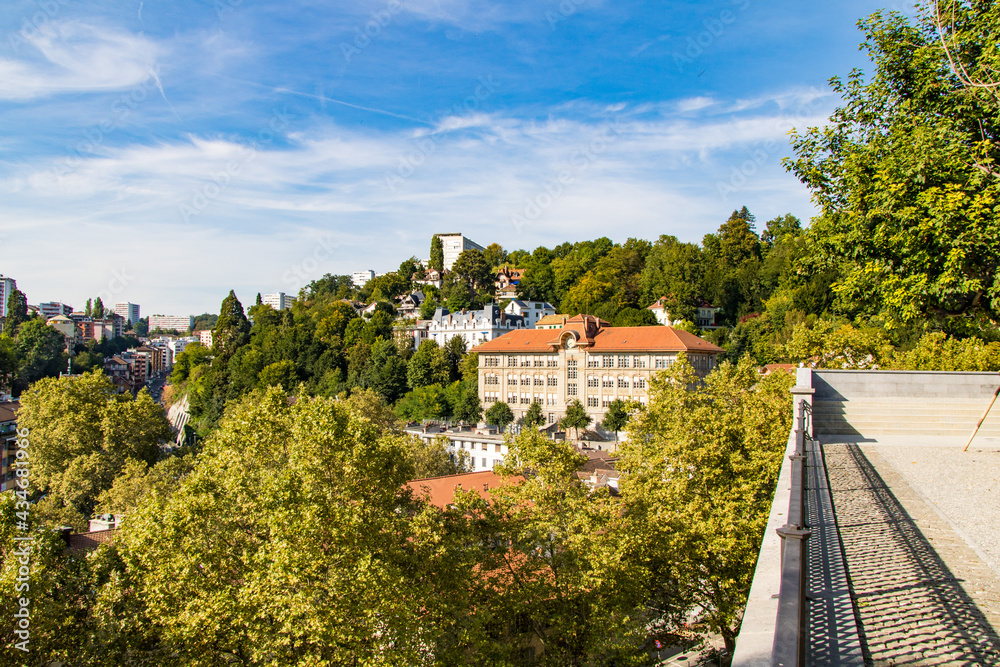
(593, 361)
(605, 381)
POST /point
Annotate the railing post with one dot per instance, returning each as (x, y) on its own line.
(790, 640)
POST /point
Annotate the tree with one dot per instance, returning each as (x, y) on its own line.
(437, 254)
(425, 402)
(386, 372)
(906, 172)
(98, 311)
(40, 350)
(698, 480)
(142, 327)
(17, 311)
(295, 511)
(500, 415)
(431, 458)
(533, 417)
(8, 363)
(427, 366)
(454, 353)
(232, 330)
(571, 577)
(617, 416)
(469, 409)
(494, 255)
(82, 436)
(576, 417)
(89, 308)
(635, 317)
(673, 270)
(279, 374)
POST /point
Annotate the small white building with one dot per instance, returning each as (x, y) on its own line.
(531, 311)
(704, 317)
(475, 326)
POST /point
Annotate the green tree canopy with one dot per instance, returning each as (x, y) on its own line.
(292, 543)
(576, 417)
(82, 436)
(905, 172)
(698, 482)
(533, 417)
(499, 414)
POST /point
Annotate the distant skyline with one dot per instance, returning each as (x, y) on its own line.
(165, 153)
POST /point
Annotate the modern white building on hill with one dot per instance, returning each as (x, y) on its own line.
(169, 322)
(7, 285)
(128, 311)
(360, 278)
(453, 245)
(278, 301)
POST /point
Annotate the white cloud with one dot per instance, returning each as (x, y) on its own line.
(252, 216)
(75, 57)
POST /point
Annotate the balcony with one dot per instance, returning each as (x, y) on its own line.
(888, 549)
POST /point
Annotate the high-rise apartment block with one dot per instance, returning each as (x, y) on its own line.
(454, 245)
(7, 285)
(129, 311)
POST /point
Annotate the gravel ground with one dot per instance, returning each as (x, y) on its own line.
(963, 486)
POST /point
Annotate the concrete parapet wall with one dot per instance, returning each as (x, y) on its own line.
(833, 385)
(903, 403)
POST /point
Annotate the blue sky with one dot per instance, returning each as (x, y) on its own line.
(166, 152)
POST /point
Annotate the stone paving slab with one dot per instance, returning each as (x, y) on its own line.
(922, 594)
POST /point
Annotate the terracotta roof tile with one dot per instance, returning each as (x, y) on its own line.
(441, 490)
(608, 339)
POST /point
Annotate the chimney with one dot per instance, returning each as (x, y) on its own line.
(486, 486)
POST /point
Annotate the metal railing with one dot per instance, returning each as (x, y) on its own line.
(790, 630)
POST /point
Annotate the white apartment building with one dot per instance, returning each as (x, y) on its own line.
(484, 451)
(531, 311)
(177, 345)
(585, 360)
(7, 285)
(360, 278)
(454, 244)
(168, 322)
(51, 309)
(205, 338)
(475, 326)
(278, 301)
(129, 311)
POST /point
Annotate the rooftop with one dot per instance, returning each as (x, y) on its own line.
(601, 338)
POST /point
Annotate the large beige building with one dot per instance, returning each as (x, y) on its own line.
(587, 360)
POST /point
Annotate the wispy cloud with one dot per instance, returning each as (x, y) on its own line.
(73, 56)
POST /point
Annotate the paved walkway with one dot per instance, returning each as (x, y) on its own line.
(919, 544)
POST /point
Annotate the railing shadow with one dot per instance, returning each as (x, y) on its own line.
(912, 608)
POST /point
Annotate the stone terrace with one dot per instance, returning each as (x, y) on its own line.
(904, 557)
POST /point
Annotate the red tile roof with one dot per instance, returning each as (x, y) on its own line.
(607, 339)
(90, 541)
(441, 490)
